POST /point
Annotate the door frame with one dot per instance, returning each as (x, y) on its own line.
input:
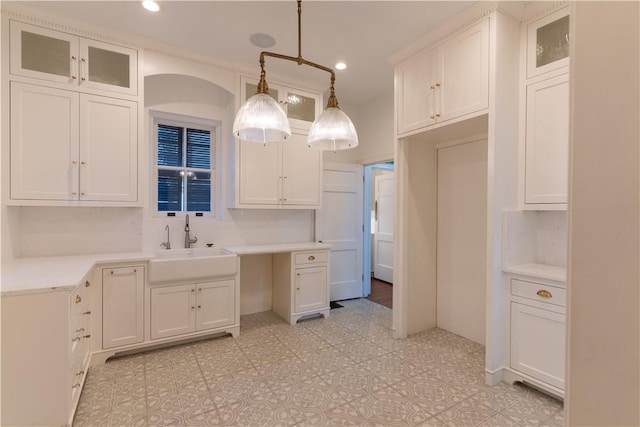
(368, 201)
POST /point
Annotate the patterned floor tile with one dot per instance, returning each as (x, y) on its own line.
(343, 371)
(466, 413)
(389, 407)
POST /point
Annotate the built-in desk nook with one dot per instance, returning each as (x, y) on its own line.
(299, 279)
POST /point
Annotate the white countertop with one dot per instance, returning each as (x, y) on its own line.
(33, 275)
(276, 248)
(542, 271)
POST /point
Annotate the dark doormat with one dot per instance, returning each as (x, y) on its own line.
(334, 304)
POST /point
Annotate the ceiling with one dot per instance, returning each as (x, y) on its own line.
(360, 33)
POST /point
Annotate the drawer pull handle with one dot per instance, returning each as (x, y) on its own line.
(80, 330)
(544, 293)
(87, 336)
(79, 373)
(78, 299)
(75, 339)
(87, 312)
(311, 258)
(76, 385)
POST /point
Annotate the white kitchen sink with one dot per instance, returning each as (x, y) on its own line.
(183, 265)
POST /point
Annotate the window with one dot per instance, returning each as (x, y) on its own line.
(185, 166)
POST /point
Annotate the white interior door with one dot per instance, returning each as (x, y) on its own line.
(383, 236)
(461, 245)
(339, 223)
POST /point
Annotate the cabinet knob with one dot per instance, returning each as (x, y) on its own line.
(78, 299)
(432, 116)
(193, 290)
(87, 336)
(74, 162)
(87, 284)
(81, 193)
(80, 330)
(199, 307)
(74, 193)
(437, 84)
(73, 77)
(87, 312)
(311, 258)
(73, 57)
(83, 162)
(82, 78)
(432, 87)
(544, 293)
(298, 288)
(437, 115)
(193, 308)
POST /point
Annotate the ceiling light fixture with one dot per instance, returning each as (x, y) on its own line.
(151, 5)
(262, 119)
(341, 66)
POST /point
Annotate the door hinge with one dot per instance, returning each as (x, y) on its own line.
(363, 228)
(362, 278)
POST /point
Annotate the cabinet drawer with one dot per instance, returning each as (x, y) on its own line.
(311, 258)
(539, 292)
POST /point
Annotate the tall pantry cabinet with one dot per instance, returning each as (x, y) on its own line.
(75, 108)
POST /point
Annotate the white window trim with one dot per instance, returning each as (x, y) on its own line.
(173, 119)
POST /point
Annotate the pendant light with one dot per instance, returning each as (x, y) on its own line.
(262, 119)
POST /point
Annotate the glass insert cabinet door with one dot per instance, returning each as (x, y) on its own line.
(56, 56)
(301, 107)
(44, 54)
(548, 43)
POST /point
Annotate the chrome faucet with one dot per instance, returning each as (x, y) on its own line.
(167, 244)
(188, 240)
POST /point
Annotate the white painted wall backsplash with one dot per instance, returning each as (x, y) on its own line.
(57, 231)
(54, 231)
(535, 237)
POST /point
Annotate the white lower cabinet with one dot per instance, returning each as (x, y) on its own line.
(122, 306)
(538, 333)
(184, 309)
(310, 292)
(538, 343)
(300, 284)
(45, 355)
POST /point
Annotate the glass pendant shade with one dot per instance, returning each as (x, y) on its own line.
(333, 131)
(261, 119)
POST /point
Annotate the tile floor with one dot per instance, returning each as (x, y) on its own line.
(342, 371)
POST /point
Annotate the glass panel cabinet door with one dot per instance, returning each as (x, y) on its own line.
(42, 53)
(108, 67)
(548, 43)
(301, 107)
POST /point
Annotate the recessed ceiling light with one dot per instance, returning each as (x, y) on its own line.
(151, 5)
(262, 40)
(341, 66)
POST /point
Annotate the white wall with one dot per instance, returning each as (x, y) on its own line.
(374, 124)
(603, 381)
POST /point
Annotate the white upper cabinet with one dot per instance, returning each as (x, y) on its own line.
(42, 171)
(284, 174)
(447, 82)
(463, 73)
(279, 174)
(544, 146)
(59, 57)
(68, 146)
(547, 141)
(415, 85)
